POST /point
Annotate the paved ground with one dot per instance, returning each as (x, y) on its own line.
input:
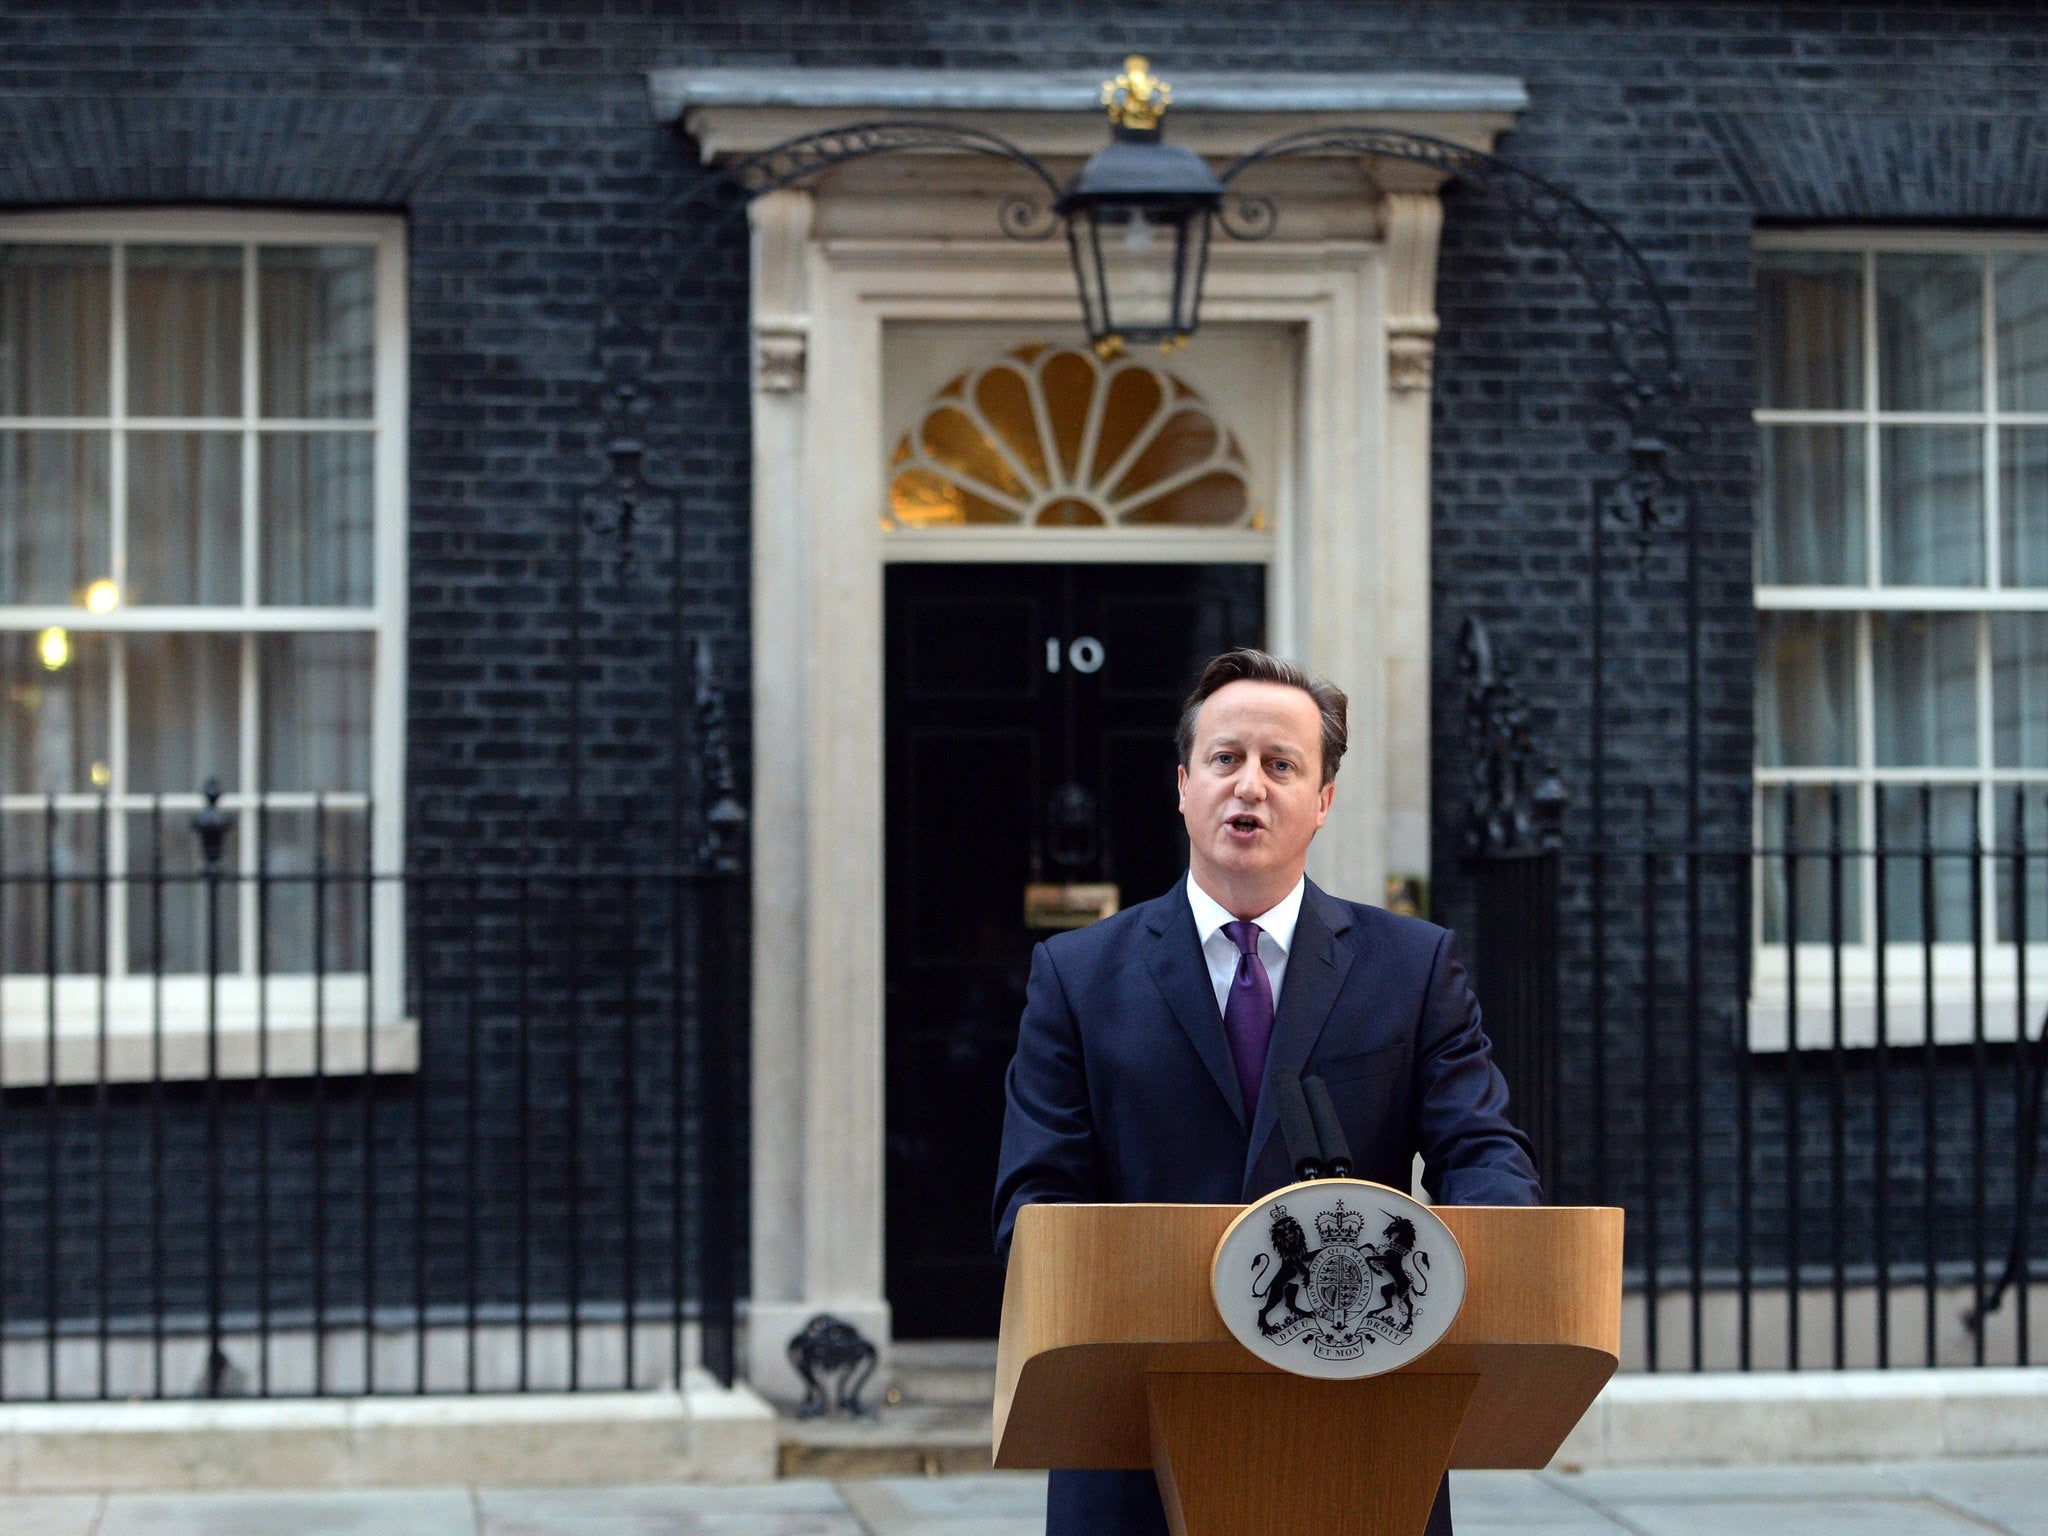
(1950, 1498)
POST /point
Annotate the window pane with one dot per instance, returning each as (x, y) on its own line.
(1928, 836)
(184, 517)
(54, 316)
(2022, 284)
(317, 861)
(1810, 322)
(1933, 506)
(184, 330)
(1810, 507)
(1806, 690)
(1923, 669)
(316, 518)
(184, 714)
(56, 716)
(2019, 690)
(317, 304)
(53, 515)
(2023, 507)
(1930, 354)
(2022, 824)
(62, 853)
(316, 711)
(1804, 874)
(168, 909)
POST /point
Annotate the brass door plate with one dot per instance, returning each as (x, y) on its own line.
(1047, 905)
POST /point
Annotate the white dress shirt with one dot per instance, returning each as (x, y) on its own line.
(1276, 937)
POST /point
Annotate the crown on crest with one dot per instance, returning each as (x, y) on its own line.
(1337, 1225)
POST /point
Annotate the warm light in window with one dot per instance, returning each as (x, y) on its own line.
(103, 596)
(1050, 437)
(54, 646)
(102, 775)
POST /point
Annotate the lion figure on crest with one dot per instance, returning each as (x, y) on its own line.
(1291, 1243)
(1398, 1286)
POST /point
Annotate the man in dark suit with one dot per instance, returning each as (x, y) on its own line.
(1146, 1037)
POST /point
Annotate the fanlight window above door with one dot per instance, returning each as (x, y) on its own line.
(1053, 437)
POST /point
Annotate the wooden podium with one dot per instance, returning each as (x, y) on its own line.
(1113, 1355)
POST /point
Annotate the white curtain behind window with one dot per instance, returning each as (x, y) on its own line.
(184, 330)
(1806, 690)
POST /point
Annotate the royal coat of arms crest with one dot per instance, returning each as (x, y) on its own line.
(1347, 1292)
(1339, 1277)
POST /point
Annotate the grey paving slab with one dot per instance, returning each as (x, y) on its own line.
(402, 1512)
(800, 1507)
(1691, 1485)
(1484, 1502)
(2011, 1493)
(993, 1504)
(1798, 1517)
(52, 1515)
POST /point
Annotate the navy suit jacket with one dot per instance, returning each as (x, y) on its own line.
(1123, 1089)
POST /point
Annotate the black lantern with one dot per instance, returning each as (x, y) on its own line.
(1138, 219)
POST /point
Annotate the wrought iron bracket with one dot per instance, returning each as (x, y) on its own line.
(1644, 349)
(1644, 388)
(1644, 391)
(799, 159)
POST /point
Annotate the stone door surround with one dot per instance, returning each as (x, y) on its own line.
(1350, 267)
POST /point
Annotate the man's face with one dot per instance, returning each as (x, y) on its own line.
(1252, 793)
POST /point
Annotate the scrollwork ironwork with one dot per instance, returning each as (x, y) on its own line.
(1028, 218)
(808, 155)
(1644, 389)
(1248, 216)
(1646, 501)
(627, 494)
(1517, 802)
(1579, 234)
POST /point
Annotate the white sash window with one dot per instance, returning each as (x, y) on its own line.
(1902, 632)
(201, 578)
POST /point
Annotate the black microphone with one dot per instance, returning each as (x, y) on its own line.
(1297, 1129)
(1329, 1133)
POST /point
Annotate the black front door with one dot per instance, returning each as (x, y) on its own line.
(1030, 717)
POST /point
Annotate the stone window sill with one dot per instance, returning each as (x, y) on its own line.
(140, 1029)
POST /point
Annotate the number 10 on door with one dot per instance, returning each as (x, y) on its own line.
(1084, 654)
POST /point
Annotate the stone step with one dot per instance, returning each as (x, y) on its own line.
(915, 1439)
(934, 1417)
(704, 1434)
(960, 1373)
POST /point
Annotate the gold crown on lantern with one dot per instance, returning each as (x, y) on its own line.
(1137, 98)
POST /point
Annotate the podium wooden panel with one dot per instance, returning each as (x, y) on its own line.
(1113, 1355)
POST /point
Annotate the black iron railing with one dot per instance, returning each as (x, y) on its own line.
(301, 1128)
(294, 1125)
(1811, 1069)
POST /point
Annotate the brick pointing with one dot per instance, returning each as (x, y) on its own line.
(517, 140)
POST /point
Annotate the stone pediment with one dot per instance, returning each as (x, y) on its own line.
(1056, 115)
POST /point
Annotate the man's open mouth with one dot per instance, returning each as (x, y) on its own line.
(1244, 823)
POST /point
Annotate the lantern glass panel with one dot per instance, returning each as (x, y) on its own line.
(1139, 269)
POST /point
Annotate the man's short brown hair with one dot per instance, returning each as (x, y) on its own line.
(1246, 665)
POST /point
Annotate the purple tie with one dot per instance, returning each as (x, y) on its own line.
(1248, 1015)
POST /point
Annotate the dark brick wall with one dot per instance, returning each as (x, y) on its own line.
(516, 140)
